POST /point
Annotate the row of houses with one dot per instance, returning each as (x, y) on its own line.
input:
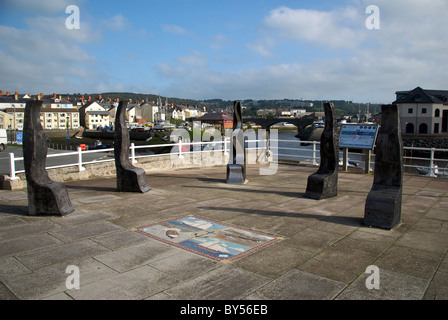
(421, 112)
(60, 113)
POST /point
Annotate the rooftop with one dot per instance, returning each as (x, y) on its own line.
(322, 252)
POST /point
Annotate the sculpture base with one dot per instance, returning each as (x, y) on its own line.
(322, 186)
(132, 180)
(235, 174)
(49, 198)
(383, 208)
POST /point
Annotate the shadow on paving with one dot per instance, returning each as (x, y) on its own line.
(348, 221)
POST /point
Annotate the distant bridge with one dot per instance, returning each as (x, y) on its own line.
(266, 123)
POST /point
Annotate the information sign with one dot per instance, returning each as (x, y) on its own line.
(358, 136)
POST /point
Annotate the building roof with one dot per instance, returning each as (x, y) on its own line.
(419, 95)
(215, 116)
(100, 113)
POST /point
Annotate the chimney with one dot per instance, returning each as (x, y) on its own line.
(8, 93)
(38, 97)
(16, 96)
(60, 98)
(82, 99)
(1, 92)
(99, 97)
(54, 95)
(41, 95)
(90, 98)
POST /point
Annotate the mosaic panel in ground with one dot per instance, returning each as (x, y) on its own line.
(212, 239)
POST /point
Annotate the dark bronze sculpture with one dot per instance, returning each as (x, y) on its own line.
(383, 204)
(324, 183)
(129, 177)
(236, 169)
(45, 196)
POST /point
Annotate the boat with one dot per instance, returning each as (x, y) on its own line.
(163, 125)
(436, 172)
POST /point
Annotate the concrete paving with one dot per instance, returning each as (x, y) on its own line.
(323, 255)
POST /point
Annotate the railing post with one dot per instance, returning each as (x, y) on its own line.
(314, 153)
(133, 153)
(431, 164)
(345, 159)
(80, 167)
(225, 146)
(180, 148)
(12, 167)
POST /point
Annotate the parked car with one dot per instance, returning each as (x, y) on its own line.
(3, 139)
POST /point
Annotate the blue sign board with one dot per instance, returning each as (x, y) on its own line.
(19, 137)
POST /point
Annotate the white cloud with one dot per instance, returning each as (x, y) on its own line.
(46, 56)
(330, 28)
(40, 6)
(174, 29)
(354, 63)
(117, 23)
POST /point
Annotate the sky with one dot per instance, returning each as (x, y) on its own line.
(230, 50)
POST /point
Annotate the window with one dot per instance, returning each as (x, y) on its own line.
(436, 128)
(424, 110)
(437, 113)
(411, 110)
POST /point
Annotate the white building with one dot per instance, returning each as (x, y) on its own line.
(423, 111)
(93, 116)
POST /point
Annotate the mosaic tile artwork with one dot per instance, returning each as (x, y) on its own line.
(215, 240)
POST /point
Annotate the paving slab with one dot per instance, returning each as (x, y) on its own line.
(136, 284)
(138, 255)
(392, 286)
(51, 280)
(66, 254)
(227, 282)
(300, 285)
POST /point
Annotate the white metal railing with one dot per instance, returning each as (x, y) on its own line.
(133, 156)
(435, 167)
(432, 166)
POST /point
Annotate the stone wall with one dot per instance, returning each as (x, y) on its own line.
(107, 169)
(425, 141)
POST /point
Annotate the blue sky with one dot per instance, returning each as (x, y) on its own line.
(252, 49)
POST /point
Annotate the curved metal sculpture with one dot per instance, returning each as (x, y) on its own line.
(383, 204)
(236, 169)
(45, 196)
(324, 183)
(129, 178)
